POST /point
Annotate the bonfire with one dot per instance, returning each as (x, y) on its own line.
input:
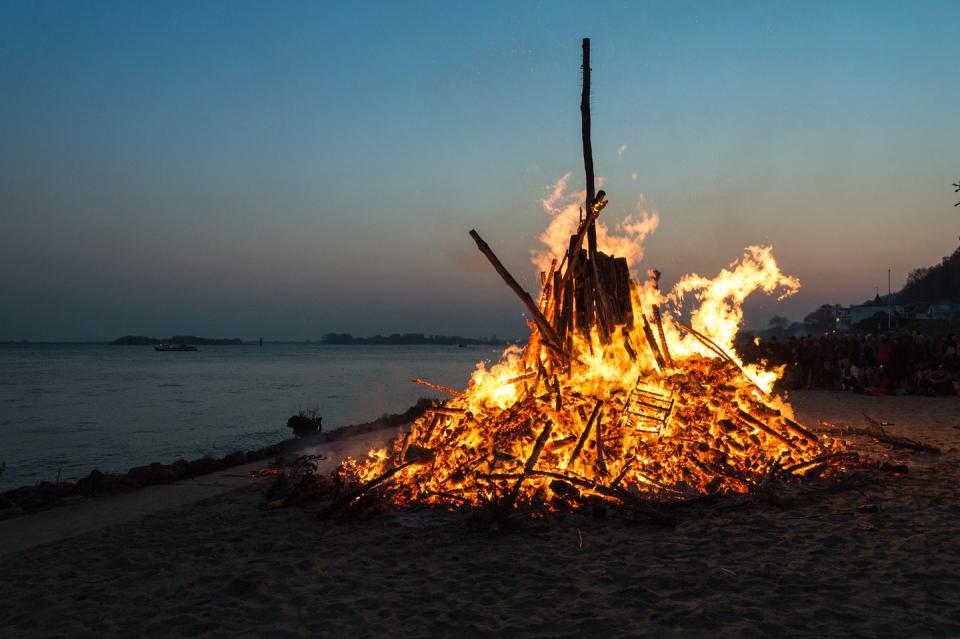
(614, 398)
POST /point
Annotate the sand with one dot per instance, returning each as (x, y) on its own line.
(225, 567)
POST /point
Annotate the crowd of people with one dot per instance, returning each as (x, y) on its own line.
(885, 364)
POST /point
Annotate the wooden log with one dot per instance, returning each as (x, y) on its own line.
(623, 472)
(446, 410)
(577, 242)
(598, 434)
(600, 301)
(550, 336)
(531, 462)
(816, 460)
(753, 421)
(573, 478)
(436, 387)
(800, 430)
(623, 288)
(663, 338)
(584, 434)
(652, 342)
(710, 344)
(582, 295)
(425, 439)
(538, 446)
(587, 144)
(557, 301)
(627, 346)
(608, 283)
(358, 492)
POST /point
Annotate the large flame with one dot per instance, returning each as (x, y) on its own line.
(653, 407)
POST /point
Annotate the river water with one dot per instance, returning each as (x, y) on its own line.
(67, 409)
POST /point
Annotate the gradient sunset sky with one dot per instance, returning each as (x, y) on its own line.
(291, 169)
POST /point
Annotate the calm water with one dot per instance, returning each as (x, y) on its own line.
(69, 409)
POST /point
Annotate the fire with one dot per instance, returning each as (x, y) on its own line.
(613, 397)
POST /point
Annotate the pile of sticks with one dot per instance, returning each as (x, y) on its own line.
(695, 426)
(558, 448)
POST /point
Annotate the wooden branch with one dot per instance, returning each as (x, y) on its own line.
(584, 434)
(753, 421)
(800, 430)
(436, 387)
(652, 342)
(816, 460)
(550, 336)
(446, 410)
(663, 338)
(623, 472)
(531, 461)
(709, 343)
(352, 495)
(598, 434)
(425, 439)
(577, 242)
(881, 435)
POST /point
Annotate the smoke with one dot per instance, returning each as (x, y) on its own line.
(624, 239)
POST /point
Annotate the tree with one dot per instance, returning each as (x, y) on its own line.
(778, 325)
(821, 320)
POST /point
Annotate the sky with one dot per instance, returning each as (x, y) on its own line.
(245, 169)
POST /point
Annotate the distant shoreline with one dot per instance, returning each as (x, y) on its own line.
(344, 339)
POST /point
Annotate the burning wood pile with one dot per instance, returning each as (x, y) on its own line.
(613, 398)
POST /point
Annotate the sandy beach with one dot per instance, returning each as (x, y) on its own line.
(225, 567)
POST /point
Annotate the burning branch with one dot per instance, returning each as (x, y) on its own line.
(550, 337)
(436, 387)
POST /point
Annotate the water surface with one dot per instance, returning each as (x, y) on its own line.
(66, 409)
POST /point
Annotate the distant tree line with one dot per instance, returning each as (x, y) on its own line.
(192, 340)
(933, 284)
(408, 339)
(938, 283)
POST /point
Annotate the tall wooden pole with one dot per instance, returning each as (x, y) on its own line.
(588, 149)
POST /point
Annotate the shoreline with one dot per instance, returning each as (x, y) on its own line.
(31, 498)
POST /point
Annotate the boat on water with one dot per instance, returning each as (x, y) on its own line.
(174, 347)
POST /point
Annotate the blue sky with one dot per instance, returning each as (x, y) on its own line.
(289, 169)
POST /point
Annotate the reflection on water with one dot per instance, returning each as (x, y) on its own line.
(69, 409)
